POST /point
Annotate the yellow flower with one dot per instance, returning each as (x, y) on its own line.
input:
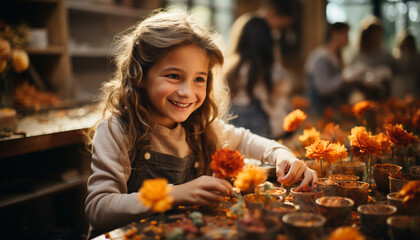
(154, 193)
(3, 64)
(293, 120)
(309, 136)
(250, 177)
(20, 60)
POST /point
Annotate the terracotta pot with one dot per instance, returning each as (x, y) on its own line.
(327, 185)
(278, 193)
(349, 168)
(256, 201)
(257, 226)
(356, 190)
(277, 210)
(306, 200)
(395, 200)
(395, 184)
(304, 225)
(337, 210)
(403, 227)
(344, 177)
(373, 219)
(381, 173)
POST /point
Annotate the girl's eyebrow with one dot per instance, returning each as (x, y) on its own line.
(180, 70)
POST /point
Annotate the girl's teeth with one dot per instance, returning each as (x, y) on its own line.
(180, 104)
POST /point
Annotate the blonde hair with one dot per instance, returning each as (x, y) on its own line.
(138, 49)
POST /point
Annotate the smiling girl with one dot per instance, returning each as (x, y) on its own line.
(161, 120)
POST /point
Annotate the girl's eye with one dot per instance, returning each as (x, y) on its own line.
(173, 76)
(200, 79)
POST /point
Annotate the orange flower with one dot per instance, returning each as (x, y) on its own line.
(338, 152)
(333, 133)
(299, 102)
(250, 177)
(359, 109)
(320, 149)
(411, 192)
(226, 163)
(309, 136)
(383, 141)
(363, 143)
(398, 136)
(293, 120)
(154, 193)
(346, 233)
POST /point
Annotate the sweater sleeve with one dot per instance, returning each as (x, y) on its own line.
(327, 78)
(108, 205)
(252, 145)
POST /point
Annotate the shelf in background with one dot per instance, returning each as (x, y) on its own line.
(91, 52)
(53, 50)
(105, 9)
(41, 190)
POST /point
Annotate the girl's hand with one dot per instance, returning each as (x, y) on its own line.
(291, 170)
(204, 191)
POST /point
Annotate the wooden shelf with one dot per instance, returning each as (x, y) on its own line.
(53, 50)
(105, 9)
(91, 52)
(42, 189)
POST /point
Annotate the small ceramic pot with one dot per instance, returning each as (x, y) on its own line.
(349, 168)
(278, 193)
(304, 225)
(381, 173)
(277, 210)
(395, 200)
(403, 227)
(256, 201)
(306, 200)
(344, 177)
(373, 219)
(337, 210)
(257, 226)
(395, 184)
(328, 186)
(356, 190)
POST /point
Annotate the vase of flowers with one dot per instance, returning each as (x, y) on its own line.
(13, 59)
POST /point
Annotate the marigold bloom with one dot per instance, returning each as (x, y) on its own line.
(226, 163)
(346, 233)
(359, 109)
(321, 149)
(339, 151)
(20, 60)
(154, 193)
(333, 133)
(309, 136)
(363, 143)
(250, 177)
(398, 136)
(293, 120)
(411, 192)
(383, 141)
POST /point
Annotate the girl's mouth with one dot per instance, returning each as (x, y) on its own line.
(178, 104)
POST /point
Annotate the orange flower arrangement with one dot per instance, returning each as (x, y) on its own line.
(154, 193)
(309, 136)
(346, 233)
(250, 177)
(324, 150)
(359, 109)
(293, 120)
(365, 145)
(226, 163)
(399, 137)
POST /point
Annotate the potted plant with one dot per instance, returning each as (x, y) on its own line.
(337, 210)
(277, 210)
(403, 227)
(399, 179)
(349, 168)
(344, 177)
(373, 219)
(356, 190)
(305, 197)
(327, 185)
(304, 225)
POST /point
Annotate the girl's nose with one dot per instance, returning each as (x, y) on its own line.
(185, 89)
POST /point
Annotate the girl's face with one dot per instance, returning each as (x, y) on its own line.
(176, 84)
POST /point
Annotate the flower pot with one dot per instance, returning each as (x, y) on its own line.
(304, 225)
(344, 177)
(277, 210)
(373, 219)
(327, 185)
(356, 190)
(349, 168)
(336, 210)
(278, 193)
(403, 227)
(381, 173)
(397, 201)
(254, 225)
(256, 201)
(306, 200)
(395, 184)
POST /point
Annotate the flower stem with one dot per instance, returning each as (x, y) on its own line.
(322, 173)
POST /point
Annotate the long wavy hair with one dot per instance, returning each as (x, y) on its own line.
(255, 47)
(137, 50)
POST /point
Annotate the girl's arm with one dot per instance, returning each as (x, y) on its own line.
(108, 205)
(289, 169)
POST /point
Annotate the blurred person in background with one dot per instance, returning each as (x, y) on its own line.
(407, 79)
(372, 66)
(325, 85)
(259, 87)
(279, 14)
